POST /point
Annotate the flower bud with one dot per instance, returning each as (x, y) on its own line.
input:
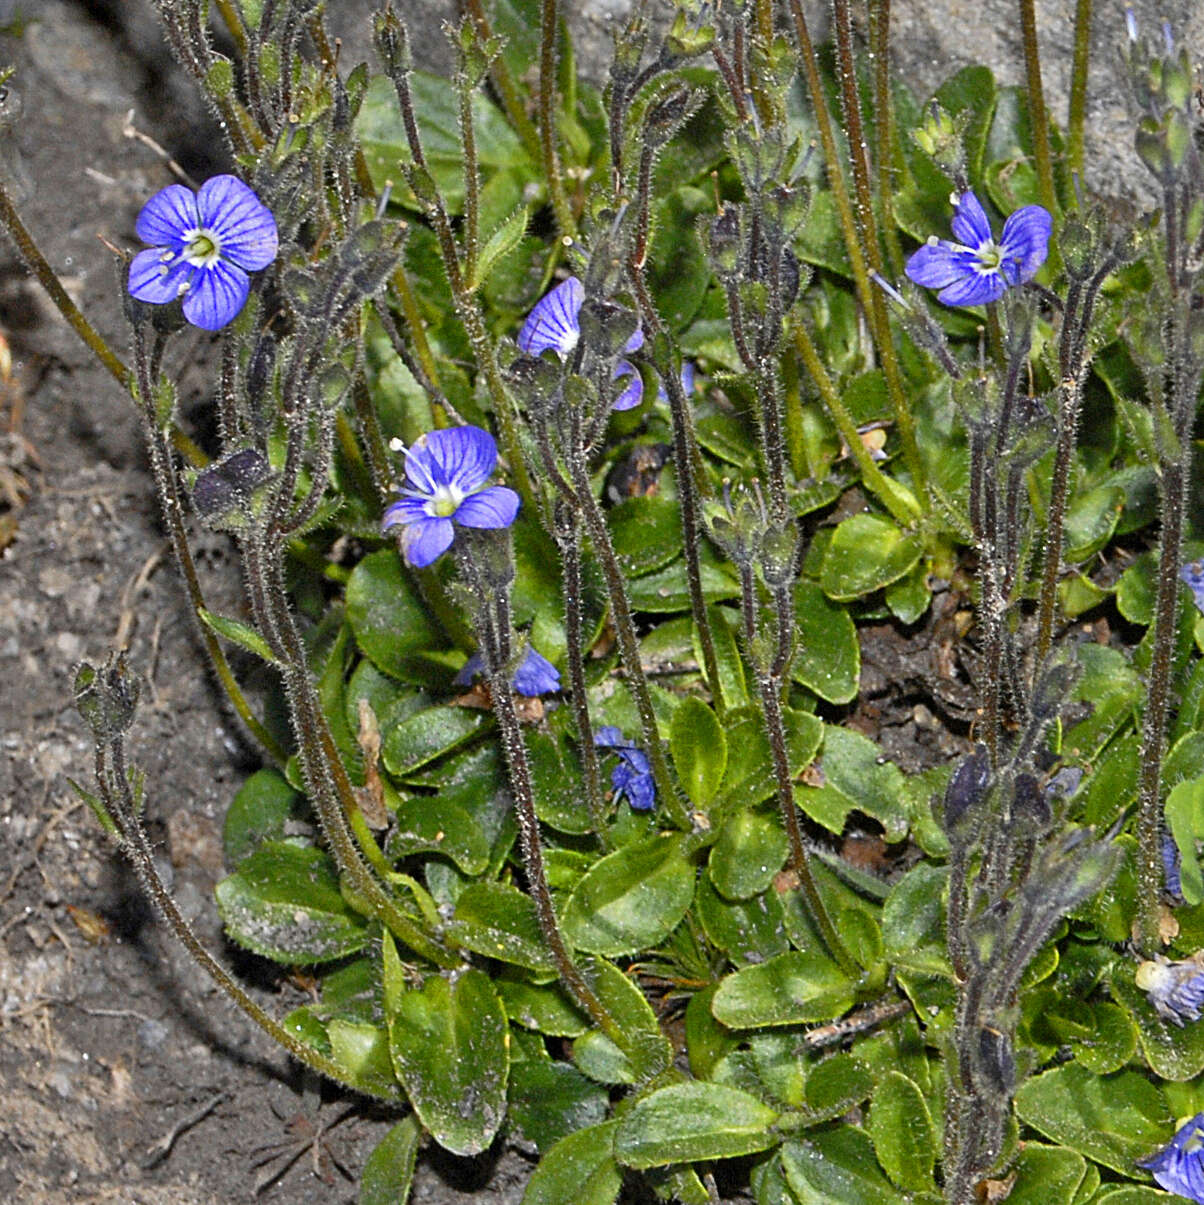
(107, 696)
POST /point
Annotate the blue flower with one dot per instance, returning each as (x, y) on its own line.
(535, 675)
(202, 247)
(1193, 574)
(1175, 989)
(1180, 1167)
(976, 269)
(555, 323)
(445, 480)
(633, 775)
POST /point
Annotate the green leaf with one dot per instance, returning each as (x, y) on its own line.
(646, 532)
(418, 739)
(1113, 688)
(750, 851)
(543, 1008)
(547, 1100)
(727, 653)
(1135, 1195)
(646, 1051)
(580, 1168)
(1136, 589)
(706, 1040)
(908, 598)
(692, 1121)
(699, 749)
(499, 244)
(1111, 1039)
(450, 1050)
(866, 553)
(750, 930)
(257, 813)
(388, 618)
(793, 987)
(1185, 818)
(829, 655)
(434, 824)
(389, 1171)
(284, 903)
(500, 922)
(1046, 1175)
(837, 1084)
(1115, 1119)
(855, 776)
(362, 1051)
(837, 1167)
(631, 899)
(900, 1128)
(238, 633)
(1091, 520)
(913, 922)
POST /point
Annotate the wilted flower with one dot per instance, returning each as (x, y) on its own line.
(535, 675)
(633, 775)
(1180, 1167)
(976, 269)
(1175, 989)
(555, 323)
(202, 247)
(445, 480)
(1193, 574)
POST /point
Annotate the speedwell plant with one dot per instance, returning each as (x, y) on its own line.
(745, 711)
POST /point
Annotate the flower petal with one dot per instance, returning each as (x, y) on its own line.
(244, 226)
(609, 736)
(978, 288)
(469, 670)
(216, 295)
(1025, 242)
(536, 675)
(554, 320)
(426, 541)
(970, 225)
(633, 394)
(167, 216)
(636, 341)
(404, 511)
(492, 507)
(939, 263)
(152, 280)
(461, 456)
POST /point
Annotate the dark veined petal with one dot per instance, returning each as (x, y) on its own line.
(633, 393)
(632, 777)
(970, 225)
(977, 288)
(939, 263)
(461, 456)
(244, 226)
(554, 320)
(149, 282)
(167, 217)
(610, 737)
(536, 675)
(1025, 241)
(636, 341)
(492, 507)
(426, 541)
(1180, 1166)
(404, 510)
(422, 470)
(216, 295)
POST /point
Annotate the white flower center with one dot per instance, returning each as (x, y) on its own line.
(990, 257)
(202, 248)
(444, 502)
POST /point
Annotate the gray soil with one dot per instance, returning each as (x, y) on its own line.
(124, 1077)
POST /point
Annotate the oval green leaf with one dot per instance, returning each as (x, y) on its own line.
(793, 987)
(699, 749)
(866, 553)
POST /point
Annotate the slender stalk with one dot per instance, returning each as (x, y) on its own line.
(1077, 114)
(548, 22)
(35, 261)
(115, 786)
(172, 506)
(883, 132)
(1037, 114)
(472, 177)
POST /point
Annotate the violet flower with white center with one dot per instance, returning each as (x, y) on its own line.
(1180, 1167)
(976, 269)
(203, 245)
(535, 675)
(555, 323)
(1175, 989)
(633, 775)
(1193, 574)
(445, 480)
